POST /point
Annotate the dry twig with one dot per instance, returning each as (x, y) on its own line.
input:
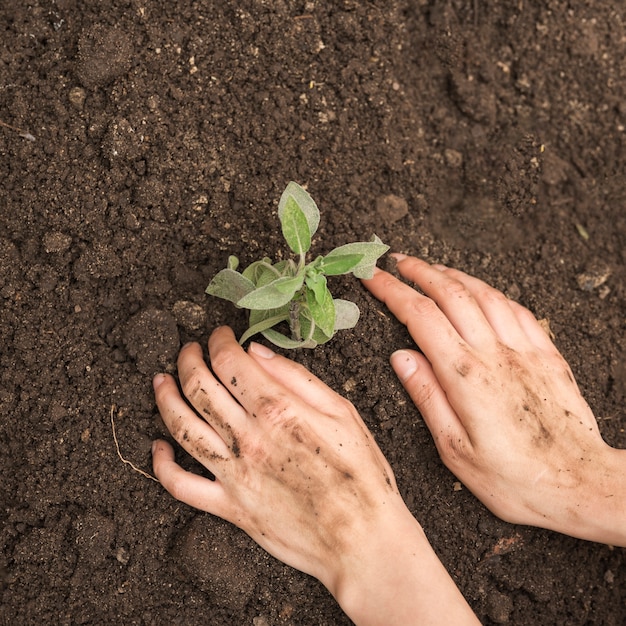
(21, 132)
(117, 447)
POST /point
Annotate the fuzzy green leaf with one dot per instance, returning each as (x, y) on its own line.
(304, 202)
(346, 314)
(339, 263)
(278, 339)
(371, 251)
(233, 262)
(321, 308)
(310, 330)
(230, 285)
(272, 295)
(261, 321)
(317, 284)
(295, 226)
(262, 272)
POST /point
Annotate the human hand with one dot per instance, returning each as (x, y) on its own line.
(296, 468)
(502, 405)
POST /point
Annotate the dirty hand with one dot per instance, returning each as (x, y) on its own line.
(502, 405)
(296, 468)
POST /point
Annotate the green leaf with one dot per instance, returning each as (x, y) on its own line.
(339, 263)
(295, 227)
(321, 308)
(257, 316)
(272, 295)
(233, 262)
(278, 339)
(371, 251)
(261, 272)
(263, 320)
(230, 285)
(304, 202)
(310, 330)
(317, 284)
(346, 314)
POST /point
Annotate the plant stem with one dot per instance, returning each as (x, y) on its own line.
(294, 320)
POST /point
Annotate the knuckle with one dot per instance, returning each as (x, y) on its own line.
(454, 289)
(175, 484)
(345, 407)
(273, 410)
(192, 384)
(422, 394)
(453, 449)
(491, 295)
(422, 307)
(464, 366)
(223, 360)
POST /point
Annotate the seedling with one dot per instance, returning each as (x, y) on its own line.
(293, 291)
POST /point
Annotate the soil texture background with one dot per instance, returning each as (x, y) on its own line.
(144, 141)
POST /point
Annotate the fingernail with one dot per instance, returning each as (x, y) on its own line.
(155, 443)
(260, 350)
(404, 364)
(398, 256)
(157, 381)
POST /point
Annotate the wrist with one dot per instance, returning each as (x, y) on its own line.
(600, 511)
(393, 576)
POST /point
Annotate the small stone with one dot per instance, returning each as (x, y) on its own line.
(453, 158)
(593, 277)
(392, 208)
(122, 555)
(77, 97)
(349, 385)
(609, 577)
(499, 607)
(54, 242)
(189, 315)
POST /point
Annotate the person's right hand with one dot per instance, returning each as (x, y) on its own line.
(502, 405)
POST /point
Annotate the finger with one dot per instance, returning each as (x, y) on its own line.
(257, 391)
(301, 382)
(197, 491)
(196, 436)
(418, 378)
(533, 329)
(453, 298)
(426, 322)
(494, 305)
(209, 397)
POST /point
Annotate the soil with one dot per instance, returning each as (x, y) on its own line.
(143, 142)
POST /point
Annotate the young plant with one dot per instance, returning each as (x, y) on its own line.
(294, 291)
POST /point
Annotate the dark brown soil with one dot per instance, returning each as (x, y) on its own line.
(149, 140)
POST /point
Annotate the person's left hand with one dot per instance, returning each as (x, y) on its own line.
(295, 466)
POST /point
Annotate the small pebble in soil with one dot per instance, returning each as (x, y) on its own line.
(189, 315)
(499, 607)
(391, 208)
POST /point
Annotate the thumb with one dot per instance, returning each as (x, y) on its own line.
(418, 378)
